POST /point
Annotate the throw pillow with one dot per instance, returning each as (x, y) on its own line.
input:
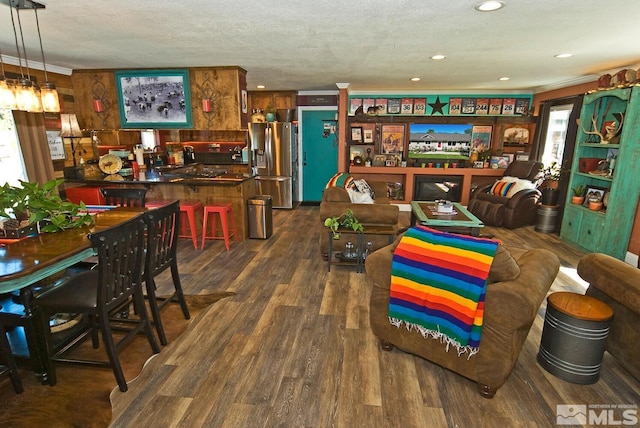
(363, 187)
(503, 267)
(341, 179)
(509, 186)
(520, 184)
(501, 188)
(359, 197)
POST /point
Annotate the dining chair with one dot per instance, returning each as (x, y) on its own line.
(101, 294)
(124, 197)
(163, 225)
(6, 356)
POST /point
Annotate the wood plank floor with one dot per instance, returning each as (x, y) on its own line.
(293, 348)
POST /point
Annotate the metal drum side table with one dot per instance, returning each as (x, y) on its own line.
(574, 337)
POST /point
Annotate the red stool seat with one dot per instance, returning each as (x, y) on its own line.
(188, 229)
(225, 211)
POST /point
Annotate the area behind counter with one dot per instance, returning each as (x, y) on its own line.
(171, 184)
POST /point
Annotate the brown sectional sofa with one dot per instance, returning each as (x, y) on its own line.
(336, 201)
(617, 284)
(516, 288)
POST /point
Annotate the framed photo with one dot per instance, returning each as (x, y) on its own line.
(478, 164)
(593, 191)
(499, 161)
(390, 162)
(154, 99)
(356, 151)
(356, 134)
(368, 136)
(392, 139)
(522, 156)
(379, 160)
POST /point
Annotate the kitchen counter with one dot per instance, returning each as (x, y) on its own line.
(195, 182)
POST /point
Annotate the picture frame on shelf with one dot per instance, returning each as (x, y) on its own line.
(356, 151)
(522, 156)
(154, 99)
(390, 162)
(379, 160)
(593, 191)
(393, 138)
(356, 134)
(367, 136)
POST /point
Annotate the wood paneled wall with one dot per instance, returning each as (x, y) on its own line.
(223, 85)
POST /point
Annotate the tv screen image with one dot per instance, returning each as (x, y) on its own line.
(436, 140)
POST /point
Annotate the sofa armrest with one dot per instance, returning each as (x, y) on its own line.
(520, 196)
(511, 305)
(613, 277)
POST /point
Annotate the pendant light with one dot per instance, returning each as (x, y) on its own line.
(48, 92)
(29, 97)
(7, 90)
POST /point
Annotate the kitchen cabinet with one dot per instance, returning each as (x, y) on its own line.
(605, 161)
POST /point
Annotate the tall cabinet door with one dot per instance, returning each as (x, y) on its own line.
(319, 157)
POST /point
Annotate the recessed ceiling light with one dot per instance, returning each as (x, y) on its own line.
(438, 56)
(260, 86)
(489, 6)
(415, 79)
(504, 78)
(564, 55)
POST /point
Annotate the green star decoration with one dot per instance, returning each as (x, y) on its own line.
(437, 106)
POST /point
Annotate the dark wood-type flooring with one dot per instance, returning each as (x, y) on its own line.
(293, 348)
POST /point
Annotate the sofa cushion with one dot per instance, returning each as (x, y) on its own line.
(509, 186)
(504, 266)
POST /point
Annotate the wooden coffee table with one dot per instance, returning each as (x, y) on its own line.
(460, 221)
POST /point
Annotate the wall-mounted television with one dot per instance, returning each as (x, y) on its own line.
(437, 140)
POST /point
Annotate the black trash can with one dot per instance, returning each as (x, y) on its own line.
(260, 217)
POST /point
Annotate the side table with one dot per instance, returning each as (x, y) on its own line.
(359, 246)
(574, 337)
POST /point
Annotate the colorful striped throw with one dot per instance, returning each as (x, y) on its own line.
(438, 283)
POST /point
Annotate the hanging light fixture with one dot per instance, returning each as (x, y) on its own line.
(48, 92)
(29, 97)
(7, 90)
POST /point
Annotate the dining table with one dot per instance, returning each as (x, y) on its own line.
(26, 262)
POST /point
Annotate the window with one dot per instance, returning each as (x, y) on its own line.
(11, 163)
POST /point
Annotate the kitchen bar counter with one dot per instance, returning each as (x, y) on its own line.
(190, 183)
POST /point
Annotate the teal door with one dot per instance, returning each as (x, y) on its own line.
(319, 152)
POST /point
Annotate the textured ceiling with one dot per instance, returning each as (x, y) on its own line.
(373, 45)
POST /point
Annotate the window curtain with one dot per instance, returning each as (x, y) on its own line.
(35, 147)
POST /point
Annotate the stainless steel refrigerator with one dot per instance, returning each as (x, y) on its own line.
(274, 161)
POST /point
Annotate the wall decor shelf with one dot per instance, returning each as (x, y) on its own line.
(609, 139)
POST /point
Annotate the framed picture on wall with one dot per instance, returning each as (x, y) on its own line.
(393, 137)
(154, 99)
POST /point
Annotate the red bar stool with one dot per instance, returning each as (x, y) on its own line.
(225, 211)
(188, 229)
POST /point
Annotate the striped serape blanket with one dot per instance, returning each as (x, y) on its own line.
(438, 283)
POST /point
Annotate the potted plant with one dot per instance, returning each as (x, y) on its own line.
(346, 221)
(550, 178)
(578, 195)
(29, 205)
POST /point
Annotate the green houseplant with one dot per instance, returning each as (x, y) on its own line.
(346, 221)
(31, 203)
(578, 195)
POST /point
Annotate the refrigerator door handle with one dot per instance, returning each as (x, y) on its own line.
(268, 133)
